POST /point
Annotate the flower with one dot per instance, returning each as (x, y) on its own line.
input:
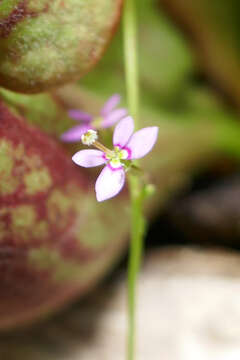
(127, 146)
(109, 115)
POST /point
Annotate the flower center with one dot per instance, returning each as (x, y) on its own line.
(115, 159)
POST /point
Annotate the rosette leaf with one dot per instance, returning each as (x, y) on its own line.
(45, 43)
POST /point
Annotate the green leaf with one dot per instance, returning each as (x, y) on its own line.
(47, 43)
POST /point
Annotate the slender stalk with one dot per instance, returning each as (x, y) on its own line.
(136, 190)
(103, 148)
(131, 57)
(135, 255)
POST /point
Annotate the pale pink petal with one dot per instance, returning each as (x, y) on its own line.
(109, 183)
(75, 133)
(142, 142)
(123, 131)
(89, 158)
(79, 115)
(114, 117)
(110, 104)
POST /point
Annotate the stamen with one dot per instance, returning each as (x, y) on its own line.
(115, 163)
(99, 146)
(113, 156)
(123, 154)
(89, 137)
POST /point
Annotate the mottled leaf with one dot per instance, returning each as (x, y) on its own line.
(47, 43)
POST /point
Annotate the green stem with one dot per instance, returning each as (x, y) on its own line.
(131, 57)
(135, 186)
(135, 255)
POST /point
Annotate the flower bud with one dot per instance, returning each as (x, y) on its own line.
(149, 190)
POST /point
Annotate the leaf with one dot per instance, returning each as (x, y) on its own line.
(47, 43)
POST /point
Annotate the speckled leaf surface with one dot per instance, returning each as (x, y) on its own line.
(47, 43)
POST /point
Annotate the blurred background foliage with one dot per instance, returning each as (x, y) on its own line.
(170, 77)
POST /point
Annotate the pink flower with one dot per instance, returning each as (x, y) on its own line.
(127, 146)
(109, 115)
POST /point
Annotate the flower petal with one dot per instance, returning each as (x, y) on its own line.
(113, 117)
(89, 158)
(110, 104)
(75, 133)
(79, 115)
(123, 131)
(142, 142)
(109, 183)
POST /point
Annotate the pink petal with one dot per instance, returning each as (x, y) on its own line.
(89, 158)
(79, 115)
(142, 142)
(123, 131)
(113, 117)
(110, 104)
(109, 183)
(75, 133)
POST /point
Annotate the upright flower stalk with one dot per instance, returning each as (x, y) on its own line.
(136, 188)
